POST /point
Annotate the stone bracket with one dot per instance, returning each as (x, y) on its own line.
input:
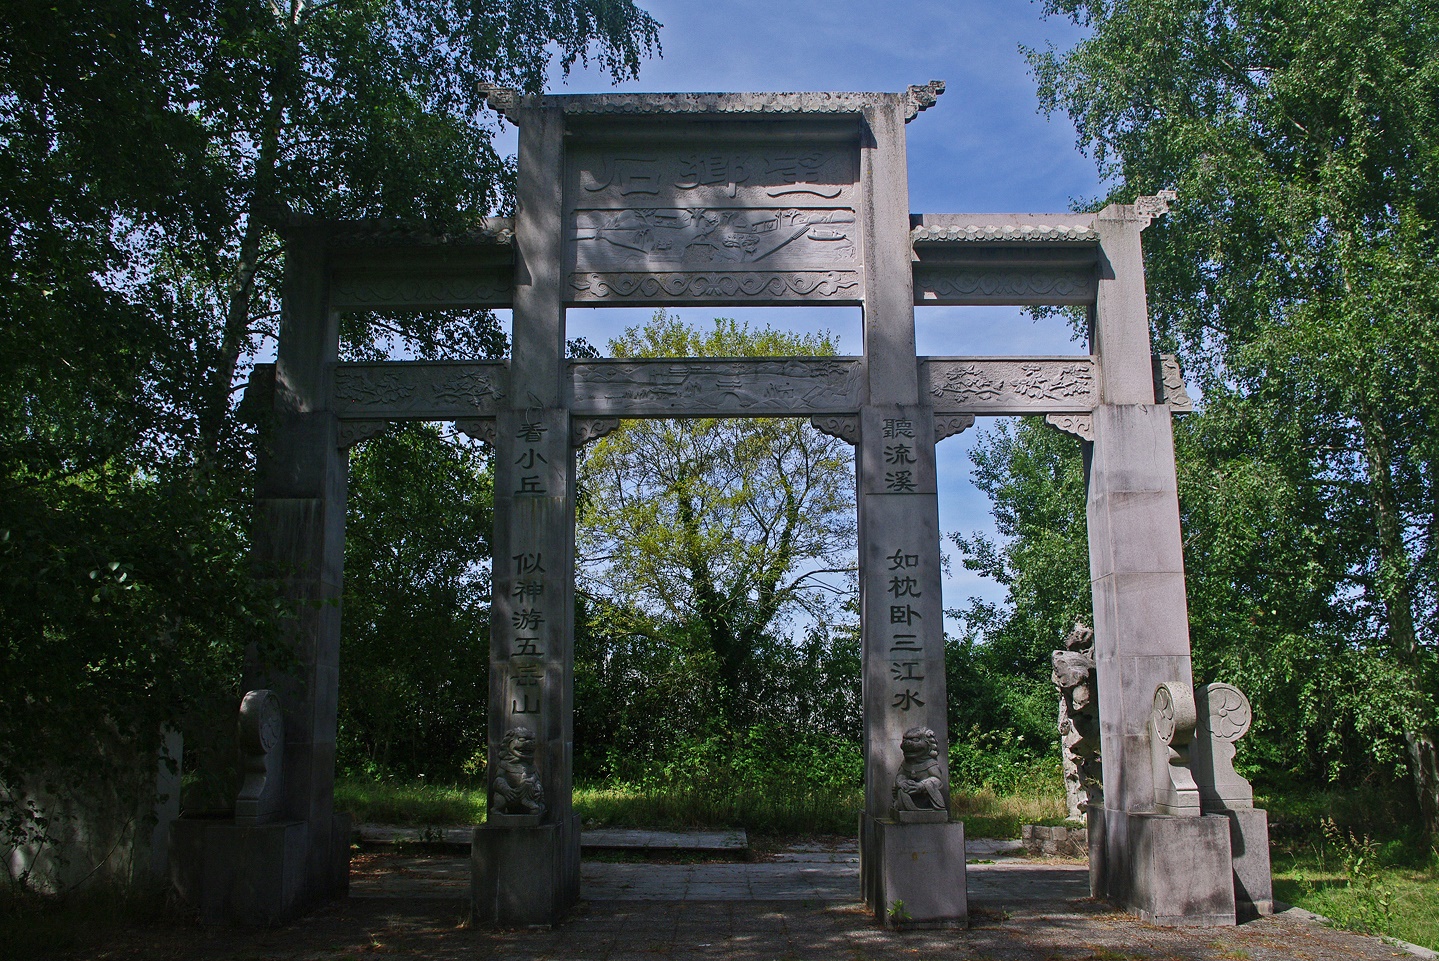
(479, 428)
(584, 430)
(1075, 425)
(352, 432)
(1169, 385)
(948, 425)
(843, 426)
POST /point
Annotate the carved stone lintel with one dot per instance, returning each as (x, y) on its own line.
(919, 98)
(1075, 425)
(1155, 206)
(1169, 385)
(491, 288)
(261, 732)
(353, 431)
(965, 285)
(843, 426)
(948, 425)
(1011, 385)
(825, 285)
(479, 428)
(1172, 723)
(583, 430)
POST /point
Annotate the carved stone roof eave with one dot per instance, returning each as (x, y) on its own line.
(979, 232)
(506, 101)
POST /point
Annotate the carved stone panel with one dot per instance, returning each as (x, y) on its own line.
(967, 285)
(1169, 384)
(769, 387)
(717, 221)
(488, 288)
(419, 390)
(1010, 385)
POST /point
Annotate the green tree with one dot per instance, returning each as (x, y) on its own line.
(1298, 277)
(415, 645)
(147, 150)
(724, 526)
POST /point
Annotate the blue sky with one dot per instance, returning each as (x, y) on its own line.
(984, 148)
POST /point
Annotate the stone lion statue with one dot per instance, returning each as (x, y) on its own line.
(919, 785)
(516, 787)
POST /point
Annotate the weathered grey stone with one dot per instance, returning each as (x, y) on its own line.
(1249, 844)
(1054, 841)
(262, 751)
(913, 875)
(1171, 732)
(1170, 870)
(1224, 716)
(525, 875)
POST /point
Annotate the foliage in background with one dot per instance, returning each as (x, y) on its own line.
(1297, 275)
(720, 530)
(146, 151)
(416, 640)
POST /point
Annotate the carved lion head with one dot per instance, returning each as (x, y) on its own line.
(918, 744)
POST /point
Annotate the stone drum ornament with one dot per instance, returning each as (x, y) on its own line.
(516, 790)
(1171, 730)
(919, 785)
(262, 741)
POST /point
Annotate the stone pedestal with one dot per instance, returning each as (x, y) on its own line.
(257, 874)
(913, 875)
(1170, 870)
(524, 876)
(1249, 843)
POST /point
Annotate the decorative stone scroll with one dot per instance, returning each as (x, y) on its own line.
(262, 755)
(787, 387)
(1155, 206)
(419, 390)
(1075, 425)
(584, 430)
(831, 286)
(1169, 385)
(1172, 723)
(1010, 385)
(1224, 717)
(948, 425)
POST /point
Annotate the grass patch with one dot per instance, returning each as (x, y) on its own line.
(415, 804)
(988, 814)
(795, 810)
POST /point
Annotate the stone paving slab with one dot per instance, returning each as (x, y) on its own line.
(457, 838)
(1068, 930)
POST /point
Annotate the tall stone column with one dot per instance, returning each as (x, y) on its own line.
(1154, 856)
(525, 858)
(912, 861)
(264, 868)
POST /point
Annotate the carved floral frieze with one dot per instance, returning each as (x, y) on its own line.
(827, 285)
(1011, 385)
(972, 285)
(417, 390)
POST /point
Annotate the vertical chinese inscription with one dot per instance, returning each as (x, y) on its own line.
(905, 642)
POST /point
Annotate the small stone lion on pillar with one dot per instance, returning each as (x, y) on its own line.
(516, 788)
(919, 785)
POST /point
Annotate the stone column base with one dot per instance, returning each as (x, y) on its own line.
(1249, 842)
(524, 876)
(913, 875)
(257, 874)
(1169, 870)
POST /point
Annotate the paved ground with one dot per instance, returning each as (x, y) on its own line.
(795, 905)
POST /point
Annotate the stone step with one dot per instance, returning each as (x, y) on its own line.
(455, 839)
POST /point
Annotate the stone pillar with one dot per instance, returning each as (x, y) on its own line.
(912, 861)
(1168, 869)
(276, 866)
(525, 858)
